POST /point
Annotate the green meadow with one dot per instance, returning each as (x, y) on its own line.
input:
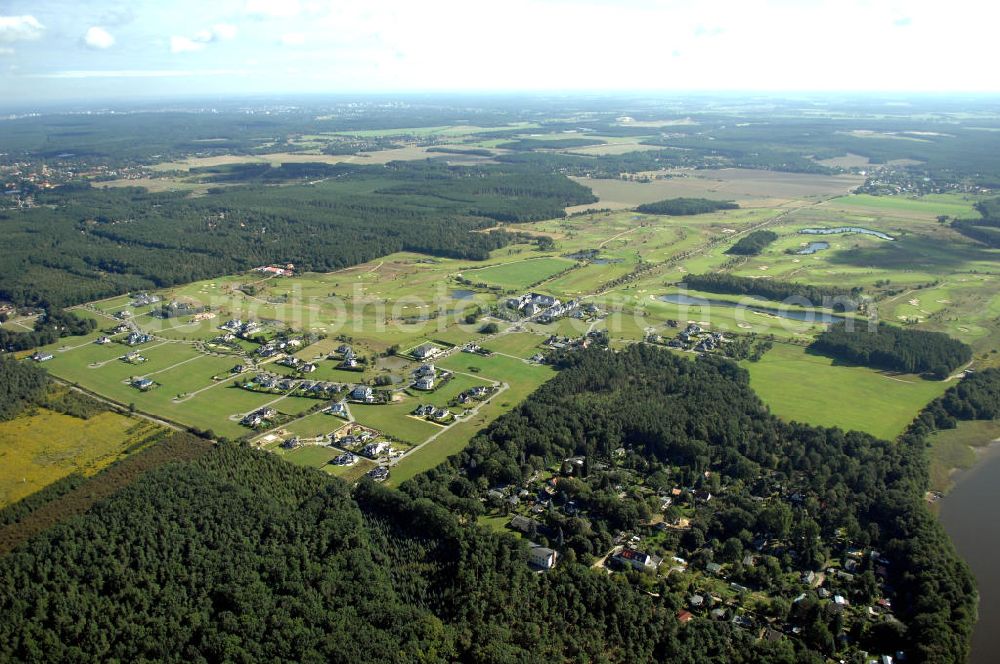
(815, 390)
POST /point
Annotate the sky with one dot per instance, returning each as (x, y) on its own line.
(56, 51)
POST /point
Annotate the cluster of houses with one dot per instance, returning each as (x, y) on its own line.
(275, 346)
(556, 342)
(295, 363)
(259, 417)
(433, 413)
(353, 438)
(692, 337)
(477, 393)
(348, 359)
(142, 299)
(476, 349)
(425, 375)
(269, 382)
(533, 304)
(287, 270)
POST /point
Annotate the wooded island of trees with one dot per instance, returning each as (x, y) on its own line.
(894, 348)
(686, 206)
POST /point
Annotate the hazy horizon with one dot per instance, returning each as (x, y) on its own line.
(54, 52)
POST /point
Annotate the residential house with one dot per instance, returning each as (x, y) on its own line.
(363, 393)
(425, 383)
(426, 351)
(42, 357)
(639, 560)
(143, 384)
(375, 450)
(542, 557)
(525, 525)
(379, 474)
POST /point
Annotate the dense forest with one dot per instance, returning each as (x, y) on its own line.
(894, 348)
(752, 243)
(773, 289)
(80, 243)
(21, 384)
(239, 556)
(679, 207)
(684, 423)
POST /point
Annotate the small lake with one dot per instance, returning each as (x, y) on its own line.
(463, 294)
(846, 229)
(814, 247)
(804, 315)
(968, 514)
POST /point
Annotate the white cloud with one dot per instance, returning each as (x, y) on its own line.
(224, 31)
(292, 39)
(181, 44)
(99, 38)
(273, 8)
(198, 41)
(17, 28)
(5, 50)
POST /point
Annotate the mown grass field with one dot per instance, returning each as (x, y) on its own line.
(38, 448)
(813, 389)
(519, 275)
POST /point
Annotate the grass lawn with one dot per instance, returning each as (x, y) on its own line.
(313, 456)
(522, 378)
(519, 344)
(519, 275)
(38, 449)
(394, 420)
(955, 449)
(812, 389)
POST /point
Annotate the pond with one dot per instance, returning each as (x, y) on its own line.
(814, 247)
(846, 229)
(463, 294)
(804, 315)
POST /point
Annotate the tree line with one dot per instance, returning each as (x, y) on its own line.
(838, 299)
(894, 348)
(678, 207)
(753, 243)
